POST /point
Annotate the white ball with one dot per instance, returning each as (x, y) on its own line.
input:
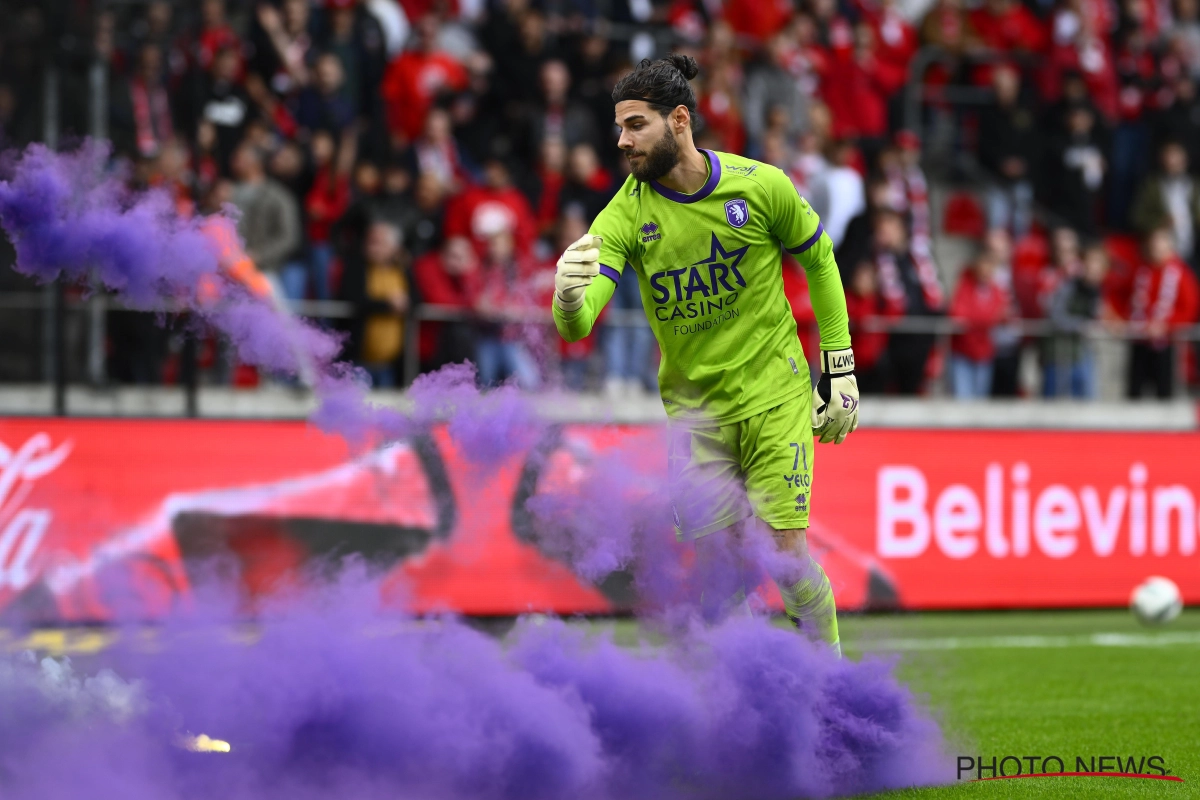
(1156, 601)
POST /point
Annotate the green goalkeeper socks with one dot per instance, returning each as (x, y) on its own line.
(809, 604)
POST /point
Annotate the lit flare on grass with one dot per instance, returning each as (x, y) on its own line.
(204, 744)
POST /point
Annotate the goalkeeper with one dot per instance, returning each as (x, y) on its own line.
(703, 233)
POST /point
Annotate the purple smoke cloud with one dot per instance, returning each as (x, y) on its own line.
(324, 705)
(335, 699)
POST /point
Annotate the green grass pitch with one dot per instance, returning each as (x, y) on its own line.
(1064, 683)
(1051, 683)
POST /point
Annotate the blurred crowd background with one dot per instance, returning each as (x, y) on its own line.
(1011, 187)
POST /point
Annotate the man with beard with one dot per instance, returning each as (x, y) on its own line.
(702, 233)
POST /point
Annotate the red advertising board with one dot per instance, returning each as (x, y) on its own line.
(964, 519)
(914, 519)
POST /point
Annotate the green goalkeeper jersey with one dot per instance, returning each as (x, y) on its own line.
(709, 268)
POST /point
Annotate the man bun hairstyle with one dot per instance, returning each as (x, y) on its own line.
(663, 83)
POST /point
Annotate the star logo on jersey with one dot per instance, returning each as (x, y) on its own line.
(719, 255)
(737, 213)
(705, 292)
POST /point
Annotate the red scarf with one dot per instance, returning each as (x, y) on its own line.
(151, 116)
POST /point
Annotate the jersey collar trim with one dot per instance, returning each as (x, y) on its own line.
(714, 176)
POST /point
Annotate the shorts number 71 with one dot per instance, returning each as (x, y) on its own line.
(801, 455)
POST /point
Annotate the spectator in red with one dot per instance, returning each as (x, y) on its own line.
(866, 307)
(834, 31)
(141, 109)
(438, 154)
(721, 108)
(758, 21)
(449, 277)
(1008, 25)
(949, 27)
(1035, 282)
(980, 303)
(721, 48)
(512, 285)
(1006, 337)
(215, 34)
(480, 212)
(1086, 52)
(895, 37)
(172, 175)
(859, 90)
(414, 79)
(901, 165)
(325, 203)
(589, 187)
(547, 184)
(1164, 299)
(806, 59)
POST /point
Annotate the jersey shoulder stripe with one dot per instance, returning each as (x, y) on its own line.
(808, 242)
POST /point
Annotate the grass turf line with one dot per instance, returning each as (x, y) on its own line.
(1074, 700)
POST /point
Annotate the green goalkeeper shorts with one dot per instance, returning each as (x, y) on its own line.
(761, 466)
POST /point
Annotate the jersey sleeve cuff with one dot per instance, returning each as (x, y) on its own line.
(610, 273)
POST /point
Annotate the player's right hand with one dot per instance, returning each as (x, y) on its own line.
(576, 269)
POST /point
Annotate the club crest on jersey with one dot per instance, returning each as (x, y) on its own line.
(650, 232)
(737, 213)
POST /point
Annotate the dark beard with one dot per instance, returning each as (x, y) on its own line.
(661, 159)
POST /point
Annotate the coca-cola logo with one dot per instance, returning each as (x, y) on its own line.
(23, 529)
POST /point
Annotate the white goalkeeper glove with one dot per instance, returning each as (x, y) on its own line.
(576, 269)
(835, 397)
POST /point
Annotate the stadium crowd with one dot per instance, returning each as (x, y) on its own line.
(400, 154)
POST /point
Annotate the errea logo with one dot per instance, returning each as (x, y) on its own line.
(650, 232)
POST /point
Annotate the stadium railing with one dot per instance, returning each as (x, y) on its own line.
(942, 329)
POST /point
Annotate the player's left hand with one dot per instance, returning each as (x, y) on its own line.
(835, 397)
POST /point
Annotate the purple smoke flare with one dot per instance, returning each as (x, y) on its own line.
(339, 699)
(334, 699)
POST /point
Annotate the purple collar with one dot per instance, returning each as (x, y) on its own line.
(714, 175)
